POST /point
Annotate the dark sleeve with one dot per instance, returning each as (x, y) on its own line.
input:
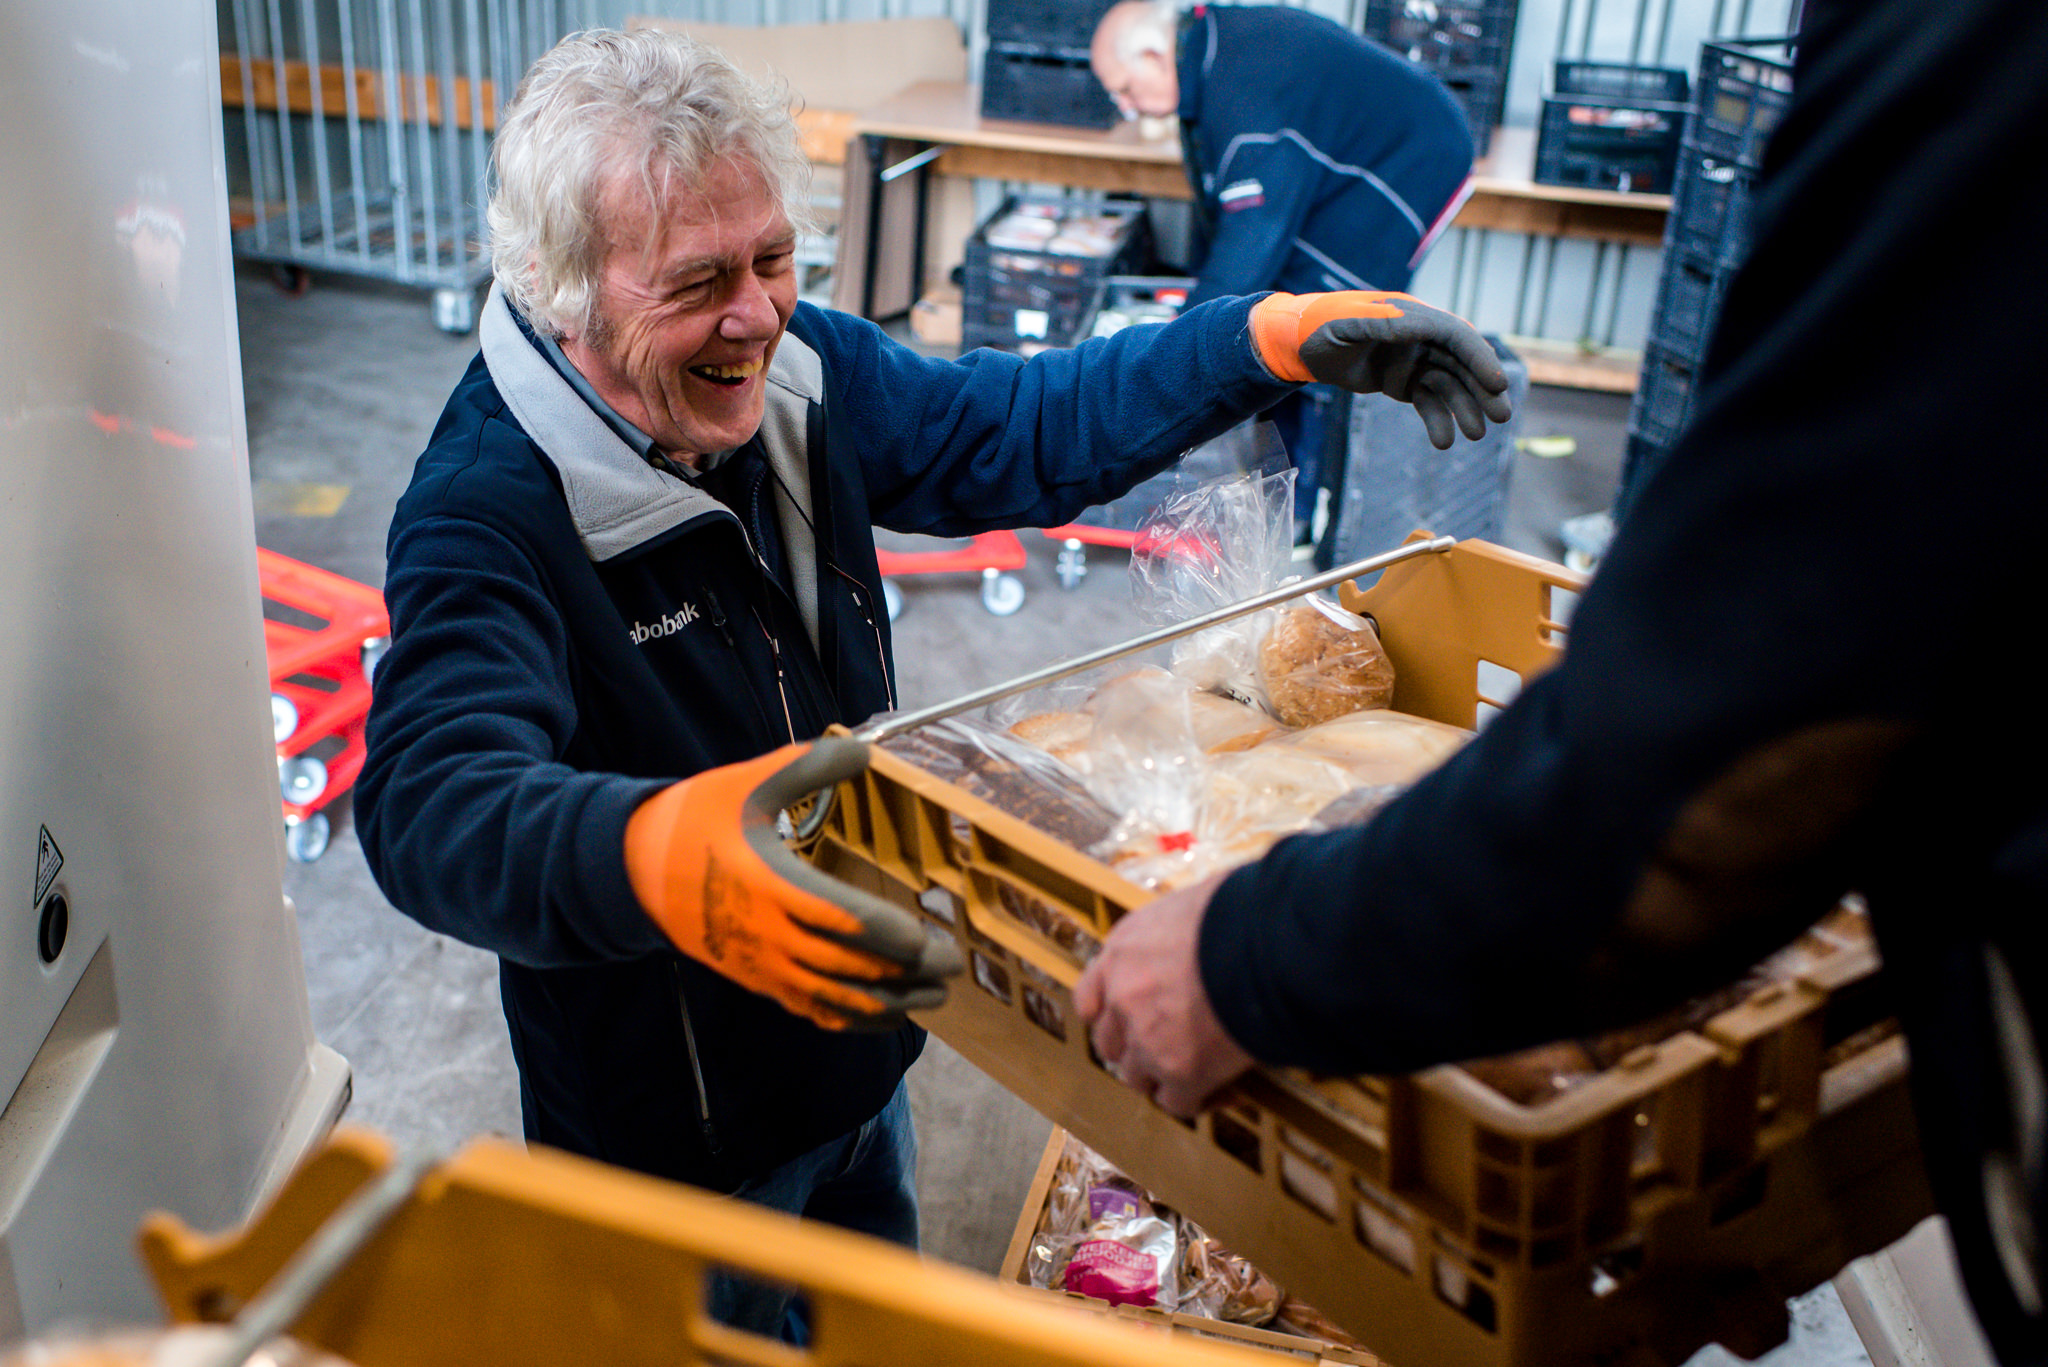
(1254, 232)
(990, 440)
(1849, 524)
(469, 821)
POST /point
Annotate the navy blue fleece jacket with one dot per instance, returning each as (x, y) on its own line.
(573, 629)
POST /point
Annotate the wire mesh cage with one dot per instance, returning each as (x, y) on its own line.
(360, 132)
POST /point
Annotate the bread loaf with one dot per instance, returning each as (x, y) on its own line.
(1378, 747)
(1319, 662)
(1009, 775)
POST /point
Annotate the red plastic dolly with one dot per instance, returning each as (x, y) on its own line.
(323, 636)
(995, 554)
(1075, 538)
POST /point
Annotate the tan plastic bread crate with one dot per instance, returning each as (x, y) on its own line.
(534, 1258)
(1174, 1324)
(1676, 1199)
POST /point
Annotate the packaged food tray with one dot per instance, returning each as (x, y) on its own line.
(1272, 1343)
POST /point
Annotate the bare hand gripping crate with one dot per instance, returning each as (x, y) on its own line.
(1673, 1200)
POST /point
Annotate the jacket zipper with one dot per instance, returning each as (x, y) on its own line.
(704, 1126)
(775, 647)
(860, 601)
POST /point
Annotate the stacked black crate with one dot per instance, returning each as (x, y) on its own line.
(1743, 88)
(1036, 269)
(1036, 66)
(1612, 126)
(1465, 42)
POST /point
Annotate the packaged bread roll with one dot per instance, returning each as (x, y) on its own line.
(1063, 735)
(1319, 661)
(1377, 747)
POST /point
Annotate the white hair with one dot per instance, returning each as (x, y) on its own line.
(606, 101)
(1152, 28)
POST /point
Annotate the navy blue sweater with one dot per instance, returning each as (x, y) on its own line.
(573, 629)
(1320, 158)
(1789, 677)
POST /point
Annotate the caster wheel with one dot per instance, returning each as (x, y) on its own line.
(284, 718)
(301, 779)
(1001, 594)
(1580, 561)
(292, 280)
(455, 310)
(1072, 565)
(373, 651)
(892, 600)
(305, 841)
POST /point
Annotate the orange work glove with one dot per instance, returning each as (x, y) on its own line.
(709, 866)
(1379, 342)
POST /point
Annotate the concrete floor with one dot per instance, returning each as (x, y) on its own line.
(342, 387)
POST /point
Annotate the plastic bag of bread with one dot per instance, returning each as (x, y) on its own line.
(1377, 747)
(1217, 1284)
(1318, 662)
(1146, 707)
(1230, 539)
(1241, 804)
(1218, 543)
(1009, 774)
(1101, 1236)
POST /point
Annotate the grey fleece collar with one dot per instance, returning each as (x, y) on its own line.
(616, 499)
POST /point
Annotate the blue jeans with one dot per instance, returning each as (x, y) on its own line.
(865, 1181)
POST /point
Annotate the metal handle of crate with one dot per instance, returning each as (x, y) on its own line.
(909, 721)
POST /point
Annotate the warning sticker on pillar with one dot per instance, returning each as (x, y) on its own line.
(49, 860)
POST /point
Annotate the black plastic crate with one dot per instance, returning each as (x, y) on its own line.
(1482, 99)
(1041, 84)
(1640, 458)
(1620, 81)
(1711, 207)
(1019, 297)
(1664, 394)
(1612, 126)
(1689, 294)
(1394, 481)
(1463, 38)
(1049, 23)
(1744, 88)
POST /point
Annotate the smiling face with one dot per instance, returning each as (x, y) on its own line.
(695, 290)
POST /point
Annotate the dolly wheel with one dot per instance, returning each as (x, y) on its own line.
(301, 778)
(306, 840)
(1072, 564)
(1001, 594)
(284, 717)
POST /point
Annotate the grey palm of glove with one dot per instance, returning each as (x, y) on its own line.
(1379, 342)
(710, 868)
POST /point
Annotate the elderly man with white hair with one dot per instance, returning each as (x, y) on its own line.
(634, 579)
(1319, 160)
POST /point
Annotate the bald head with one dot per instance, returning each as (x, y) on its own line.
(1133, 57)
